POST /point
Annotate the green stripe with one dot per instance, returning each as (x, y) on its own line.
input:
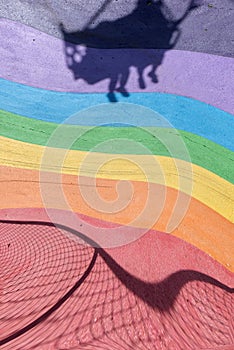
(203, 152)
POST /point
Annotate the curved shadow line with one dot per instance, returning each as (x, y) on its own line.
(50, 224)
(119, 271)
(145, 291)
(57, 305)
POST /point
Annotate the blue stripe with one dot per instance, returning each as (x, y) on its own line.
(181, 112)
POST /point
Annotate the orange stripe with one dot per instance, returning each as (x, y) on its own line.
(201, 226)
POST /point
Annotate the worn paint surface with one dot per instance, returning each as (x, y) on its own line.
(156, 288)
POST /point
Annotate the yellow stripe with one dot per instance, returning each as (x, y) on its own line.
(210, 189)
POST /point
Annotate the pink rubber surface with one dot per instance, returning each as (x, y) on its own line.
(156, 293)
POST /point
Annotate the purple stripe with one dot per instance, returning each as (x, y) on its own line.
(37, 59)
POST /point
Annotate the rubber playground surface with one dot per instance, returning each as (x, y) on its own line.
(116, 175)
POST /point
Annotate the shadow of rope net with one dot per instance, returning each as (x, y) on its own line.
(56, 293)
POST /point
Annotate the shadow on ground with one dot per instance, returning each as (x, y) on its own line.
(81, 291)
(149, 26)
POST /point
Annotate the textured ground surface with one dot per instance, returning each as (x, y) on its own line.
(155, 176)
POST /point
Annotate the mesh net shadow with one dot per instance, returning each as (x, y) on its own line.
(56, 293)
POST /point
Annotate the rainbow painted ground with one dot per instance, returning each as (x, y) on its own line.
(32, 107)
